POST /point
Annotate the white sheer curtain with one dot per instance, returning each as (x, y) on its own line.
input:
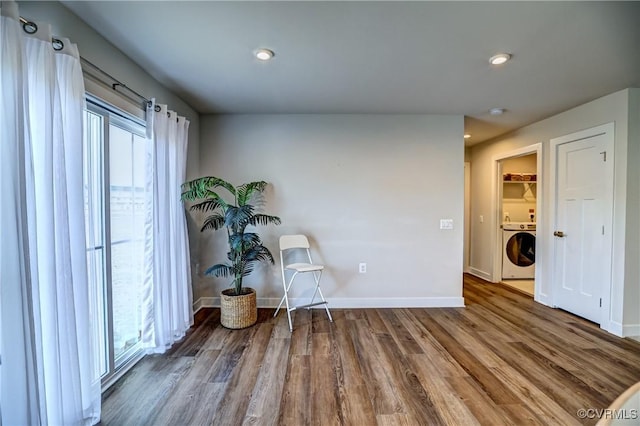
(168, 299)
(46, 374)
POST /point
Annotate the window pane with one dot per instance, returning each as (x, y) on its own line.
(120, 157)
(127, 200)
(115, 234)
(120, 183)
(93, 184)
(97, 307)
(139, 159)
(139, 178)
(94, 227)
(126, 277)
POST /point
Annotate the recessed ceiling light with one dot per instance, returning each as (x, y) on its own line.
(467, 136)
(264, 54)
(499, 59)
(496, 111)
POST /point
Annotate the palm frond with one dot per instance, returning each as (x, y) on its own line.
(258, 254)
(215, 222)
(220, 270)
(194, 190)
(209, 182)
(248, 269)
(202, 188)
(245, 191)
(236, 216)
(263, 219)
(190, 193)
(244, 241)
(207, 205)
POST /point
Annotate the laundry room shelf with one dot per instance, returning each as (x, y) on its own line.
(521, 191)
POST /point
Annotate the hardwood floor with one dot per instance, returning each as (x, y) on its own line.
(503, 359)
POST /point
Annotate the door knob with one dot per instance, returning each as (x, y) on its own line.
(558, 234)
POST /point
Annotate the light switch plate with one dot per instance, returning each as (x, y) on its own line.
(446, 223)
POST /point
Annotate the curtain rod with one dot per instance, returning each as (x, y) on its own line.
(31, 27)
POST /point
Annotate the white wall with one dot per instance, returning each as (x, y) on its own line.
(612, 108)
(365, 188)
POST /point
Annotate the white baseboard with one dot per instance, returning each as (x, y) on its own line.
(631, 330)
(397, 302)
(351, 303)
(206, 302)
(202, 303)
(623, 330)
(481, 274)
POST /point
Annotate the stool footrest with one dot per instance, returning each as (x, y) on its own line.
(307, 306)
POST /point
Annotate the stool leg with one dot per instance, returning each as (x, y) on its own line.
(316, 278)
(289, 317)
(319, 291)
(326, 307)
(275, 314)
(286, 300)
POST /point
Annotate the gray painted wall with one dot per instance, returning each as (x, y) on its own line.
(365, 188)
(632, 228)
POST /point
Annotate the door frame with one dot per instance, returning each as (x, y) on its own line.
(467, 215)
(497, 217)
(609, 131)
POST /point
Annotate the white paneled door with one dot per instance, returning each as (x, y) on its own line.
(583, 216)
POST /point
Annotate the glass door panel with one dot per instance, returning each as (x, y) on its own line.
(115, 152)
(94, 229)
(127, 235)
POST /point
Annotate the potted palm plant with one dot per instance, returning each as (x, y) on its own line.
(238, 307)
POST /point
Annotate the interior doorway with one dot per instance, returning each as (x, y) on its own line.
(517, 189)
(467, 215)
(519, 215)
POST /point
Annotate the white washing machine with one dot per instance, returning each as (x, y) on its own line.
(519, 250)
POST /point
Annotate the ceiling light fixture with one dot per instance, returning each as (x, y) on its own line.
(264, 54)
(467, 136)
(499, 59)
(496, 111)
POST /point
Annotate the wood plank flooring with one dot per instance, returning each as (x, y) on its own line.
(501, 360)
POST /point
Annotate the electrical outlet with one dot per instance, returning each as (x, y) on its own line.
(362, 268)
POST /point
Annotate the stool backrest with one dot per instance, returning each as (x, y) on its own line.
(293, 241)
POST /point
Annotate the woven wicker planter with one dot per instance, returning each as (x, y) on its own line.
(238, 311)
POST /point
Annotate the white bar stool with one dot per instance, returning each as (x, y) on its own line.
(299, 242)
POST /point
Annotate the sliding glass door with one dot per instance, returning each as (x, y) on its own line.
(127, 219)
(115, 197)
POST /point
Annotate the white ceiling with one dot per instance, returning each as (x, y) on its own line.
(380, 57)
